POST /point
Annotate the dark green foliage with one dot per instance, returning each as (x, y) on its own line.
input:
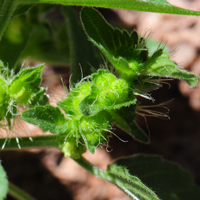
(167, 179)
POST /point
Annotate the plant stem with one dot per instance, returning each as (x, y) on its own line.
(103, 174)
(33, 142)
(90, 168)
(120, 181)
(6, 12)
(18, 193)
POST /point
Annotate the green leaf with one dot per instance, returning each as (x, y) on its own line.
(159, 64)
(124, 118)
(3, 183)
(83, 55)
(125, 51)
(160, 6)
(48, 118)
(167, 179)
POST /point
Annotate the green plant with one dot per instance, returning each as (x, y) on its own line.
(83, 120)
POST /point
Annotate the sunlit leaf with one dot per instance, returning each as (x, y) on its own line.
(48, 118)
(160, 65)
(160, 6)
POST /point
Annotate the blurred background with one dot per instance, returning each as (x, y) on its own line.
(46, 174)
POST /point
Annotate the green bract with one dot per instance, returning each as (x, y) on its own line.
(107, 92)
(88, 112)
(22, 89)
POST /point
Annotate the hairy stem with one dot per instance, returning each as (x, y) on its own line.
(103, 174)
(134, 188)
(91, 168)
(17, 193)
(6, 12)
(33, 142)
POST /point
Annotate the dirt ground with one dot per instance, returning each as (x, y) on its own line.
(46, 174)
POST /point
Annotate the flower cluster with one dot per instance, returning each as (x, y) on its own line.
(22, 89)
